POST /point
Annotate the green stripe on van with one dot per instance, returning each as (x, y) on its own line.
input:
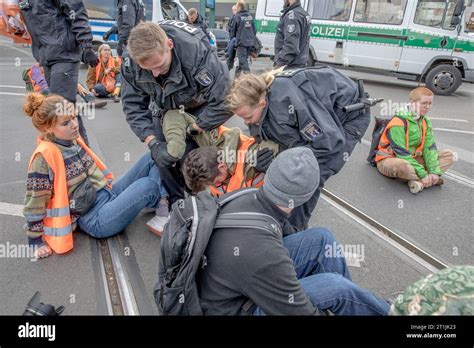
(379, 36)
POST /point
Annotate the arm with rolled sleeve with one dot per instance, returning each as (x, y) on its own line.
(216, 112)
(135, 104)
(76, 13)
(430, 151)
(291, 40)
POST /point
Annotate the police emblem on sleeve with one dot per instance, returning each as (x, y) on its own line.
(290, 28)
(311, 131)
(204, 77)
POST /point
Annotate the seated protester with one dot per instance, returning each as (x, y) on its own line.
(280, 275)
(446, 292)
(105, 79)
(36, 82)
(68, 185)
(407, 148)
(303, 107)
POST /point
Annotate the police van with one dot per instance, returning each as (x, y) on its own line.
(421, 40)
(103, 14)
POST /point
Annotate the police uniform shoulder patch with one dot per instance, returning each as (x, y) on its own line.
(204, 77)
(290, 28)
(311, 131)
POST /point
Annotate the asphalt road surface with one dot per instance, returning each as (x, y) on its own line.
(438, 220)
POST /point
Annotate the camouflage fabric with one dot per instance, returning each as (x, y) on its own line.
(447, 292)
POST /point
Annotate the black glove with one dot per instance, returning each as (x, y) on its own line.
(90, 58)
(264, 158)
(160, 155)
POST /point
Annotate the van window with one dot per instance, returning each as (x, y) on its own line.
(172, 11)
(380, 11)
(435, 13)
(333, 10)
(99, 9)
(469, 17)
(273, 8)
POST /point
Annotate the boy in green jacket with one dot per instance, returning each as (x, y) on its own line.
(419, 161)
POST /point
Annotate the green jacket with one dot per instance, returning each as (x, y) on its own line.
(397, 137)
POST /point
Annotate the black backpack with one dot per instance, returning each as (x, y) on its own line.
(184, 242)
(379, 127)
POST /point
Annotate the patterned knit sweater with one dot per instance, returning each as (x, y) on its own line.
(39, 186)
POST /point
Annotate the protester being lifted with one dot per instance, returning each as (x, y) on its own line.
(246, 265)
(69, 186)
(169, 70)
(130, 13)
(407, 147)
(244, 32)
(104, 80)
(292, 36)
(59, 41)
(303, 107)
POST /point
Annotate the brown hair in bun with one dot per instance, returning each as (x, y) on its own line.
(45, 109)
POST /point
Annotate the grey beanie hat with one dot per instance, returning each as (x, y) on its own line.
(292, 178)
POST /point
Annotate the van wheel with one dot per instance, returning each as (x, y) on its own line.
(443, 79)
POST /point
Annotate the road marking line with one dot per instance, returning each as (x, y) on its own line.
(11, 209)
(453, 131)
(9, 93)
(8, 86)
(444, 119)
(17, 49)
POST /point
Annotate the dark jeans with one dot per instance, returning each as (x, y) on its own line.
(230, 52)
(325, 278)
(62, 78)
(243, 56)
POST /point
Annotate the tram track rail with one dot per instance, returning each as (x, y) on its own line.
(395, 239)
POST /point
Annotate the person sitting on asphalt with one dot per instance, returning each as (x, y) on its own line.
(303, 107)
(407, 148)
(36, 82)
(69, 186)
(254, 271)
(104, 79)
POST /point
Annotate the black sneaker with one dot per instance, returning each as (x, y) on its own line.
(100, 104)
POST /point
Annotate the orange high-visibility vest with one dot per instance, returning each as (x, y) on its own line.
(111, 63)
(237, 181)
(57, 226)
(385, 151)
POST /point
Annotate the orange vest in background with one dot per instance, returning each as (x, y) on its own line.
(57, 226)
(237, 181)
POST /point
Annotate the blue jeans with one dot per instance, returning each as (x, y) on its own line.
(325, 278)
(114, 209)
(230, 52)
(100, 88)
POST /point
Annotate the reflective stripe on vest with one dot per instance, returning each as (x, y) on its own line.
(237, 181)
(384, 150)
(57, 225)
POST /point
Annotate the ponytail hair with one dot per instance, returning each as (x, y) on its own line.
(248, 89)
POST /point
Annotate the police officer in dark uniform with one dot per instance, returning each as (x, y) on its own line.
(130, 13)
(244, 31)
(186, 76)
(304, 107)
(60, 35)
(195, 18)
(292, 36)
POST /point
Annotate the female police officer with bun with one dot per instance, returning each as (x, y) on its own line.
(303, 107)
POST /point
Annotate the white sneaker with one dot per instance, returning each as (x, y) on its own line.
(156, 225)
(415, 186)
